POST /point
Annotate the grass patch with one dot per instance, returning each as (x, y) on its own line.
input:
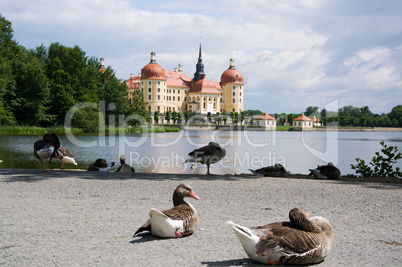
(28, 130)
(283, 127)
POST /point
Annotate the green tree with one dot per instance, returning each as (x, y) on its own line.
(310, 111)
(167, 116)
(218, 117)
(137, 106)
(156, 116)
(186, 115)
(174, 116)
(396, 113)
(10, 59)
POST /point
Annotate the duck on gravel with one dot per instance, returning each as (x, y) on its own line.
(326, 172)
(124, 167)
(65, 156)
(298, 242)
(179, 221)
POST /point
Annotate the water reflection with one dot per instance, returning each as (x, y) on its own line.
(165, 153)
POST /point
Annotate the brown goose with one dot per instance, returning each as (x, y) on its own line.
(100, 165)
(46, 147)
(65, 156)
(298, 242)
(209, 154)
(124, 167)
(181, 220)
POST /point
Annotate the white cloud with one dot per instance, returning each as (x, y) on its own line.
(292, 54)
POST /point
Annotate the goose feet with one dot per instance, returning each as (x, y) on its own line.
(178, 234)
(272, 262)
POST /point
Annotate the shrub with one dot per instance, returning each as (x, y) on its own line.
(382, 163)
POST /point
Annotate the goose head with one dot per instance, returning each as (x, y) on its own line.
(182, 191)
(122, 159)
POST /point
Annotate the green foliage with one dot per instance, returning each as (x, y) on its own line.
(88, 119)
(382, 163)
(156, 116)
(252, 112)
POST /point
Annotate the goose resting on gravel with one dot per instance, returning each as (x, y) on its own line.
(271, 171)
(65, 156)
(209, 154)
(46, 147)
(326, 172)
(100, 165)
(124, 167)
(179, 221)
(298, 242)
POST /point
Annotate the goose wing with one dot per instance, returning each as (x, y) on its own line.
(287, 240)
(185, 213)
(181, 212)
(64, 152)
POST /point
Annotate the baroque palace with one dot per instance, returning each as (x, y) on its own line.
(174, 91)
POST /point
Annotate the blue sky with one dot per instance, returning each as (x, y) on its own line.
(292, 53)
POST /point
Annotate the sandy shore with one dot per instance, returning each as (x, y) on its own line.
(76, 218)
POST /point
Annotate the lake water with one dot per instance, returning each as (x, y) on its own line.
(166, 152)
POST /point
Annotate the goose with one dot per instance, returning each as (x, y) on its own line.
(271, 171)
(124, 167)
(100, 165)
(326, 172)
(65, 156)
(298, 242)
(209, 154)
(179, 221)
(46, 147)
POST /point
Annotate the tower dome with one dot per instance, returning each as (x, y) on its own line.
(231, 75)
(152, 70)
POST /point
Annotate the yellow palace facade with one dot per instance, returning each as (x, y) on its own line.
(175, 91)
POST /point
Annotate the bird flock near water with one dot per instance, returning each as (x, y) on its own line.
(49, 147)
(299, 241)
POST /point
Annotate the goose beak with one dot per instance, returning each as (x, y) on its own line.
(193, 195)
(307, 214)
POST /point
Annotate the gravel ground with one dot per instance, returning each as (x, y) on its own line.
(77, 218)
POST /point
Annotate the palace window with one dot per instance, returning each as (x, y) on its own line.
(159, 97)
(149, 97)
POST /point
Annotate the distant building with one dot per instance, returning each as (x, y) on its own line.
(303, 123)
(266, 121)
(175, 91)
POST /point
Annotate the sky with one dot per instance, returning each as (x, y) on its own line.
(292, 53)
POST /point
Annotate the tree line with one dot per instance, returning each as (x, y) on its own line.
(345, 116)
(39, 86)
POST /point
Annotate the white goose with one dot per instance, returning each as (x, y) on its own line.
(298, 242)
(179, 221)
(209, 154)
(65, 156)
